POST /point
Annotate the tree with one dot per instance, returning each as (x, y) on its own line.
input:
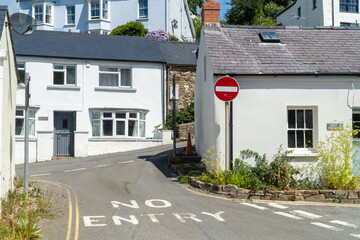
(242, 12)
(131, 28)
(262, 20)
(193, 4)
(197, 25)
(271, 9)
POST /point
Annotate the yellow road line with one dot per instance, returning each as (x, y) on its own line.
(67, 187)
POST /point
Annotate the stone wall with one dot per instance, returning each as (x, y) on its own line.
(185, 81)
(328, 196)
(184, 129)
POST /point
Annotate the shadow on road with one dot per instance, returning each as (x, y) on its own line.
(160, 161)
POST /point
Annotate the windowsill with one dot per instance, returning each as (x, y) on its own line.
(69, 25)
(142, 19)
(302, 153)
(99, 19)
(63, 87)
(22, 139)
(45, 24)
(349, 12)
(115, 89)
(116, 139)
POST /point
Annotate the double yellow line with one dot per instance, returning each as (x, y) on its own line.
(68, 189)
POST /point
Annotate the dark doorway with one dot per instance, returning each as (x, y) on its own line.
(64, 126)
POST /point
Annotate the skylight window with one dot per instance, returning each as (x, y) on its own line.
(269, 37)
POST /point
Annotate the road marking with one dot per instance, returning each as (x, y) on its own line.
(275, 205)
(126, 162)
(327, 226)
(344, 223)
(288, 215)
(104, 165)
(355, 235)
(74, 170)
(38, 175)
(305, 214)
(254, 206)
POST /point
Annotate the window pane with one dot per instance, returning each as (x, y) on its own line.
(309, 118)
(21, 76)
(356, 117)
(291, 139)
(96, 115)
(309, 138)
(109, 80)
(300, 139)
(19, 113)
(132, 115)
(107, 127)
(96, 127)
(19, 126)
(48, 14)
(31, 114)
(291, 118)
(142, 129)
(300, 119)
(142, 116)
(133, 128)
(59, 78)
(125, 77)
(120, 127)
(57, 67)
(70, 74)
(32, 127)
(107, 114)
(104, 69)
(120, 115)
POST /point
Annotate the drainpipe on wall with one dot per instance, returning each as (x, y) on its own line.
(168, 91)
(332, 12)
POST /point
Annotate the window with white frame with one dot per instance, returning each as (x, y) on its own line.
(43, 13)
(99, 9)
(105, 9)
(70, 14)
(143, 8)
(114, 77)
(118, 124)
(64, 75)
(20, 122)
(349, 5)
(21, 70)
(300, 128)
(95, 9)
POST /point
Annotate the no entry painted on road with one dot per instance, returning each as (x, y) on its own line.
(226, 89)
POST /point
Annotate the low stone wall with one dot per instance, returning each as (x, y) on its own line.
(328, 196)
(184, 129)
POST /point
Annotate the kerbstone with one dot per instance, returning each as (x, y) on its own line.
(316, 198)
(230, 188)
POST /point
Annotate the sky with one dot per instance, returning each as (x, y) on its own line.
(12, 5)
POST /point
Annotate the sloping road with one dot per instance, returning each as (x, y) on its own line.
(133, 195)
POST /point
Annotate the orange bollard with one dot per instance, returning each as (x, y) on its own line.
(189, 150)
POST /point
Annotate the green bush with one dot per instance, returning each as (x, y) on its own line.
(131, 28)
(184, 179)
(333, 168)
(185, 116)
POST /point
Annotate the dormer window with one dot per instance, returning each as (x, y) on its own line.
(43, 13)
(99, 9)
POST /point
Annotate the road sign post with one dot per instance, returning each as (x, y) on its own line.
(226, 89)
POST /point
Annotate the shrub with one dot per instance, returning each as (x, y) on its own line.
(184, 179)
(131, 28)
(173, 38)
(181, 117)
(159, 35)
(334, 163)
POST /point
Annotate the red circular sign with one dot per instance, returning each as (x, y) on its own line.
(226, 89)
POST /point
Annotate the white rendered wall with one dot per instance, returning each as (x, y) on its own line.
(146, 93)
(179, 11)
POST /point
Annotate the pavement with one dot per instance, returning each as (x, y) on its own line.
(133, 195)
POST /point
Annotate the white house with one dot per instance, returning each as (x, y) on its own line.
(90, 94)
(309, 13)
(102, 16)
(8, 86)
(295, 84)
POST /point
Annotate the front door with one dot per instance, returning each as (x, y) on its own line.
(356, 142)
(64, 125)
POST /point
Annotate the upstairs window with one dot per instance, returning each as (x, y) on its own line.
(70, 14)
(64, 75)
(349, 5)
(105, 9)
(299, 12)
(38, 13)
(143, 8)
(99, 9)
(95, 9)
(114, 77)
(43, 13)
(48, 14)
(300, 128)
(21, 70)
(20, 122)
(119, 124)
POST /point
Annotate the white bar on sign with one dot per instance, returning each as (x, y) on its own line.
(226, 89)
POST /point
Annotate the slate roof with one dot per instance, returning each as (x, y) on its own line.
(239, 50)
(179, 53)
(3, 13)
(87, 46)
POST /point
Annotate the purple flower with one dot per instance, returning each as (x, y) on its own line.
(277, 176)
(159, 35)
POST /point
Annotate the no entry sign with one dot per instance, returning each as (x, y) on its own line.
(226, 89)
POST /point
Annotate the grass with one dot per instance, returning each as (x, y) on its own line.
(21, 213)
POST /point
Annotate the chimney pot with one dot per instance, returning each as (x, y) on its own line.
(210, 12)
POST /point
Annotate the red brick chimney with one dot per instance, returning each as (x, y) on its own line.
(210, 12)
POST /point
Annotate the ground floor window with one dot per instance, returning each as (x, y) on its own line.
(300, 128)
(20, 122)
(118, 123)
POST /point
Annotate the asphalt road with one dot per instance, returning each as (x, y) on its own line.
(133, 195)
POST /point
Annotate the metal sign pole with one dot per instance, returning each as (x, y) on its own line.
(174, 117)
(227, 159)
(26, 153)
